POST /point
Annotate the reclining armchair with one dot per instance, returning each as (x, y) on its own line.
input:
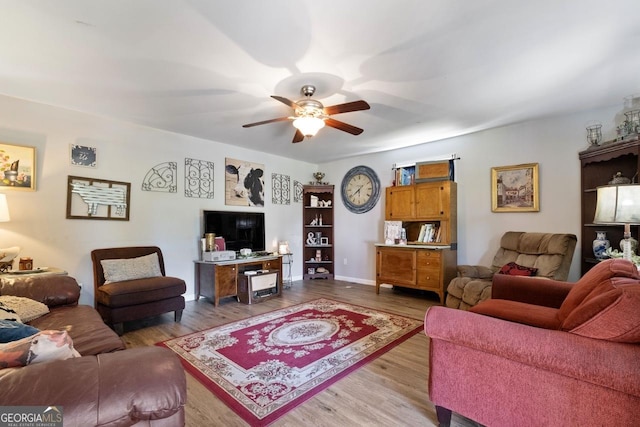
(548, 254)
(541, 352)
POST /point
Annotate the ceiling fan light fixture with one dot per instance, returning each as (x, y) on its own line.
(308, 125)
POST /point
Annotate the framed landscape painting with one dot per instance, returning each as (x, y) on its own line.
(17, 167)
(515, 188)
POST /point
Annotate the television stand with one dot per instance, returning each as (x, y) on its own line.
(219, 279)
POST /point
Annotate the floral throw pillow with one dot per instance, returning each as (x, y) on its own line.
(42, 347)
(513, 269)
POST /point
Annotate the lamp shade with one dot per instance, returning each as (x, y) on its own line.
(4, 209)
(283, 248)
(618, 204)
(309, 126)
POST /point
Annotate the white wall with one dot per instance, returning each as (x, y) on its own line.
(125, 153)
(172, 221)
(554, 143)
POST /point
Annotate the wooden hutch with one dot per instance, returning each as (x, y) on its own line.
(417, 265)
(598, 166)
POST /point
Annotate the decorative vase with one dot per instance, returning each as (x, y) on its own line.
(600, 245)
(633, 246)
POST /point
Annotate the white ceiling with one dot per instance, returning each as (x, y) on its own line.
(430, 69)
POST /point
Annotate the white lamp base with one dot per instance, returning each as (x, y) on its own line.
(626, 249)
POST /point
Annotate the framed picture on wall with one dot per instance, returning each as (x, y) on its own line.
(17, 167)
(84, 156)
(91, 198)
(515, 188)
(243, 183)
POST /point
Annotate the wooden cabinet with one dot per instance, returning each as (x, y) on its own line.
(226, 280)
(424, 268)
(400, 203)
(217, 280)
(598, 166)
(395, 265)
(432, 200)
(428, 266)
(427, 200)
(317, 232)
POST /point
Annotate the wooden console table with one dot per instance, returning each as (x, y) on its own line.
(219, 279)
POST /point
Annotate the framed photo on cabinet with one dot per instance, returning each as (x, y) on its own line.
(515, 188)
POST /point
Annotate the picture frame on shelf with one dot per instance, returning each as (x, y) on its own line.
(17, 167)
(324, 240)
(515, 188)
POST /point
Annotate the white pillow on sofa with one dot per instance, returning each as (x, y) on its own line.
(27, 309)
(119, 270)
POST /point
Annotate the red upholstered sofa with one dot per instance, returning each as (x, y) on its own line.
(578, 365)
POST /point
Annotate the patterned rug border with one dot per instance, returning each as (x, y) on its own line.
(244, 413)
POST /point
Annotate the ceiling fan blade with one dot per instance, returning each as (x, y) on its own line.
(345, 108)
(298, 137)
(264, 122)
(285, 101)
(343, 126)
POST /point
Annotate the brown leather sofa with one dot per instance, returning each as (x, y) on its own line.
(128, 300)
(108, 384)
(549, 253)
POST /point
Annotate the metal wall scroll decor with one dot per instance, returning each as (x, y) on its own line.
(162, 177)
(280, 189)
(297, 191)
(198, 178)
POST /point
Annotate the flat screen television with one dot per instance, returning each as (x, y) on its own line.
(239, 229)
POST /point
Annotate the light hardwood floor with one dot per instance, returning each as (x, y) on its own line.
(388, 391)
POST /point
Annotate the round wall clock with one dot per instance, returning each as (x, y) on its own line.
(360, 189)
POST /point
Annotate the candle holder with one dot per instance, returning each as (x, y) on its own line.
(632, 121)
(594, 134)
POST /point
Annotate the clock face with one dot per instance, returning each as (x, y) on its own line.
(360, 189)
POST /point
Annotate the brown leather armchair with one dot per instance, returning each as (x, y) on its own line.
(128, 300)
(549, 253)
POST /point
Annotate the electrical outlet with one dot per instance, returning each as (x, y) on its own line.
(345, 261)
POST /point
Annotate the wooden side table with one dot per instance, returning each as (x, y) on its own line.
(42, 271)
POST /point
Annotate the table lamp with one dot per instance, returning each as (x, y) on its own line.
(4, 209)
(283, 248)
(619, 204)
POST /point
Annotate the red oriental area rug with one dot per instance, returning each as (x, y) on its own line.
(264, 366)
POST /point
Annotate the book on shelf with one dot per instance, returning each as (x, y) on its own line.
(405, 175)
(429, 233)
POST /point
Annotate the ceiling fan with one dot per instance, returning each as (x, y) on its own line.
(310, 115)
